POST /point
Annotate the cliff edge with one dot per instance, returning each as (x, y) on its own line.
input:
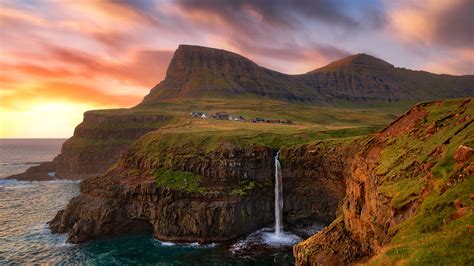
(409, 194)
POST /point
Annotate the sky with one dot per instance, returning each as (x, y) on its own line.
(59, 58)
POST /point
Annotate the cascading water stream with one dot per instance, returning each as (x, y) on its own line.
(276, 237)
(278, 196)
(268, 236)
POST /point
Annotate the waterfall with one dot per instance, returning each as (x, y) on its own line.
(278, 237)
(278, 196)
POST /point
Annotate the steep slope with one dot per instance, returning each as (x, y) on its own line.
(408, 194)
(96, 143)
(200, 187)
(198, 71)
(201, 72)
(364, 78)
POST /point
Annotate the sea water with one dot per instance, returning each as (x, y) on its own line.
(26, 207)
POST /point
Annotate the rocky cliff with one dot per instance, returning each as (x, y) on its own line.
(208, 199)
(190, 193)
(96, 144)
(408, 194)
(314, 179)
(200, 72)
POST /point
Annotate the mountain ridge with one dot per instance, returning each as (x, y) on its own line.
(355, 60)
(200, 72)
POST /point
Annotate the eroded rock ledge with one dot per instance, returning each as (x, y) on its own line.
(234, 197)
(404, 191)
(96, 144)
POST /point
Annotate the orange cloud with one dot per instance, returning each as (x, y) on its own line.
(64, 91)
(127, 13)
(443, 22)
(11, 16)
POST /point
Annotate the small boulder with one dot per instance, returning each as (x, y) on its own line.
(431, 130)
(463, 154)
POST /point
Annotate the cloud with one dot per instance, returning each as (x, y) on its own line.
(459, 62)
(455, 24)
(125, 11)
(446, 23)
(64, 91)
(143, 67)
(279, 13)
(283, 35)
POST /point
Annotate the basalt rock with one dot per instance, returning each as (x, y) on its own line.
(96, 144)
(112, 203)
(221, 209)
(314, 177)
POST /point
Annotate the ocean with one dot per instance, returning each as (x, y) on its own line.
(26, 207)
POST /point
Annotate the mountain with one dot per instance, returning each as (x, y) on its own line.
(200, 72)
(196, 72)
(217, 80)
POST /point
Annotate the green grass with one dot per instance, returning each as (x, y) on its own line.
(243, 188)
(178, 180)
(403, 191)
(312, 123)
(326, 117)
(430, 236)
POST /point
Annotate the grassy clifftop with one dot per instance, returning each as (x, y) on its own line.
(410, 194)
(431, 169)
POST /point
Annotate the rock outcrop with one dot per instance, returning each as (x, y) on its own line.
(233, 194)
(401, 193)
(219, 209)
(314, 179)
(96, 144)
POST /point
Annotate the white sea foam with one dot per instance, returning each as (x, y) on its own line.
(282, 240)
(265, 237)
(167, 244)
(193, 244)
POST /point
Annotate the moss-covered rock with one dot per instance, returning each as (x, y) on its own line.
(409, 192)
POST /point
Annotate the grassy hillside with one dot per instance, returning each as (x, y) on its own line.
(311, 123)
(343, 115)
(410, 194)
(441, 231)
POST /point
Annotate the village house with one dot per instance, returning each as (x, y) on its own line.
(221, 116)
(236, 118)
(200, 115)
(196, 114)
(258, 120)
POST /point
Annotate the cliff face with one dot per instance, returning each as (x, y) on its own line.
(224, 202)
(196, 72)
(200, 72)
(186, 193)
(408, 191)
(314, 179)
(363, 78)
(99, 139)
(96, 144)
